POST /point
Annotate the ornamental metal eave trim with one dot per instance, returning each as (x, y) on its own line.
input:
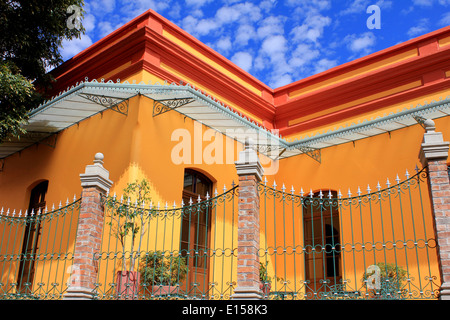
(120, 93)
(116, 96)
(417, 113)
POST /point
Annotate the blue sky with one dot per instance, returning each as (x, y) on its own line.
(278, 42)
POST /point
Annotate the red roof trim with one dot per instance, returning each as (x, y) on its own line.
(140, 42)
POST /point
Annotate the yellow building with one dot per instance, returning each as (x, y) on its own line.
(346, 205)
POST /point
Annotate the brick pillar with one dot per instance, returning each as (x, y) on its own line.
(434, 154)
(250, 173)
(90, 224)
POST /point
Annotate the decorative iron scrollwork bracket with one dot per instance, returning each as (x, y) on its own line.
(113, 103)
(314, 153)
(269, 150)
(420, 120)
(162, 106)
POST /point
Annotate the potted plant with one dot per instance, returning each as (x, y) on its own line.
(265, 281)
(162, 273)
(384, 280)
(128, 223)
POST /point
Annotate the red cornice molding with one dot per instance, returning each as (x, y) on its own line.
(100, 62)
(362, 62)
(201, 72)
(366, 107)
(362, 86)
(141, 44)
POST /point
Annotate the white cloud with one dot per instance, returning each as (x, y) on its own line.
(324, 64)
(102, 7)
(445, 20)
(132, 8)
(420, 28)
(423, 3)
(274, 45)
(310, 4)
(197, 3)
(272, 25)
(88, 22)
(239, 12)
(360, 6)
(360, 44)
(281, 80)
(175, 11)
(302, 55)
(105, 28)
(429, 3)
(198, 27)
(244, 33)
(243, 59)
(205, 26)
(312, 28)
(273, 53)
(75, 46)
(224, 44)
(267, 5)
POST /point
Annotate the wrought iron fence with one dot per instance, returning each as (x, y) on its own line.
(314, 245)
(36, 252)
(374, 245)
(185, 252)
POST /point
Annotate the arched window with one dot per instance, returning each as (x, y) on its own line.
(196, 229)
(31, 238)
(322, 242)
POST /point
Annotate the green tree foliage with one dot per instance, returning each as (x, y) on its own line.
(31, 32)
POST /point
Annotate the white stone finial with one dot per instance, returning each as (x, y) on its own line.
(96, 175)
(429, 125)
(433, 144)
(98, 158)
(249, 143)
(248, 162)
